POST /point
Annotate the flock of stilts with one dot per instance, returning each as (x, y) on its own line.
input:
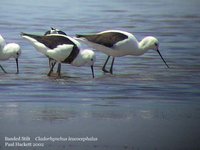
(61, 48)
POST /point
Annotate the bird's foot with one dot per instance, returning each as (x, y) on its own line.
(49, 74)
(105, 71)
(59, 76)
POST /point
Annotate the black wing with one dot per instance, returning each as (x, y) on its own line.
(61, 32)
(51, 41)
(54, 40)
(47, 33)
(108, 39)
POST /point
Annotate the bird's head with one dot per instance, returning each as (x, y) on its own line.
(89, 59)
(15, 51)
(54, 31)
(151, 43)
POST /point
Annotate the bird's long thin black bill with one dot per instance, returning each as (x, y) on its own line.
(17, 65)
(92, 68)
(162, 58)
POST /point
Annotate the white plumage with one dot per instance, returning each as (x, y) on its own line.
(117, 43)
(63, 49)
(60, 53)
(51, 61)
(7, 51)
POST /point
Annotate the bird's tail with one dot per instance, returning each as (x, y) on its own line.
(23, 34)
(29, 35)
(79, 35)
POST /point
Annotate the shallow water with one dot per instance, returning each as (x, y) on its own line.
(142, 95)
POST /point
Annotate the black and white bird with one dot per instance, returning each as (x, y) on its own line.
(7, 51)
(54, 31)
(117, 43)
(63, 49)
(52, 62)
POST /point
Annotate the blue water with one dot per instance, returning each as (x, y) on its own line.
(143, 100)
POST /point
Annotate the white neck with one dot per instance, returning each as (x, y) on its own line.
(78, 61)
(143, 47)
(147, 43)
(136, 48)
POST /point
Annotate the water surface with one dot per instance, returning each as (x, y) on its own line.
(138, 107)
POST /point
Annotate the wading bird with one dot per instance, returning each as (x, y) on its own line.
(52, 62)
(11, 50)
(117, 43)
(63, 49)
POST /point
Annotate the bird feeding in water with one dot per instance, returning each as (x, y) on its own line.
(63, 49)
(7, 51)
(117, 43)
(52, 62)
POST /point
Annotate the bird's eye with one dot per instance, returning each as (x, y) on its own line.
(18, 53)
(156, 44)
(92, 59)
